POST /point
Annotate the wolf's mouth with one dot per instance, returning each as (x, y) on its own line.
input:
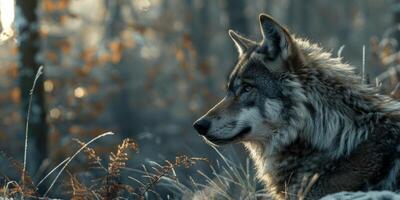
(237, 137)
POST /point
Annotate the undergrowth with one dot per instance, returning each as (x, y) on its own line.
(107, 184)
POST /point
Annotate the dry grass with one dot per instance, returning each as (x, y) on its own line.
(110, 184)
(14, 188)
(166, 170)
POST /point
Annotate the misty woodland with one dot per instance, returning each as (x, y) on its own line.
(200, 99)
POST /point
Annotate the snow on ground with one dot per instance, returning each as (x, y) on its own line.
(372, 195)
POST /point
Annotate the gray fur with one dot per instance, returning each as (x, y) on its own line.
(309, 124)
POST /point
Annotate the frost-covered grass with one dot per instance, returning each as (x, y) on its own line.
(229, 180)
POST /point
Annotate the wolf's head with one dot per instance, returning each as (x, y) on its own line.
(259, 98)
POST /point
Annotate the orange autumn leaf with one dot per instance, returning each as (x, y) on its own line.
(15, 95)
(49, 6)
(103, 58)
(12, 70)
(52, 56)
(116, 51)
(75, 130)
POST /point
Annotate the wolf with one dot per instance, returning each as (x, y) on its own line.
(310, 124)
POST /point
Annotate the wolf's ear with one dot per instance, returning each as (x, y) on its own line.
(276, 39)
(241, 43)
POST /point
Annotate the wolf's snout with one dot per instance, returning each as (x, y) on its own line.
(202, 126)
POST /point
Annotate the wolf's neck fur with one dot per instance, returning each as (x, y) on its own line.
(278, 171)
(331, 111)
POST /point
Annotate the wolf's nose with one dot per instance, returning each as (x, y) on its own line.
(202, 126)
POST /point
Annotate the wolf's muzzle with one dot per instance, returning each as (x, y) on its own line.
(202, 126)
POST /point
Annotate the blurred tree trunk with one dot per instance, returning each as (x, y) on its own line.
(299, 19)
(237, 17)
(345, 31)
(198, 14)
(121, 111)
(28, 37)
(237, 22)
(395, 34)
(396, 22)
(200, 33)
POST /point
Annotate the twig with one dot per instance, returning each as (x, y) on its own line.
(395, 89)
(54, 169)
(389, 72)
(310, 184)
(363, 65)
(73, 156)
(38, 74)
(339, 53)
(167, 168)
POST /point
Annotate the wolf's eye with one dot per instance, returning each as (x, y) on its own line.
(246, 88)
